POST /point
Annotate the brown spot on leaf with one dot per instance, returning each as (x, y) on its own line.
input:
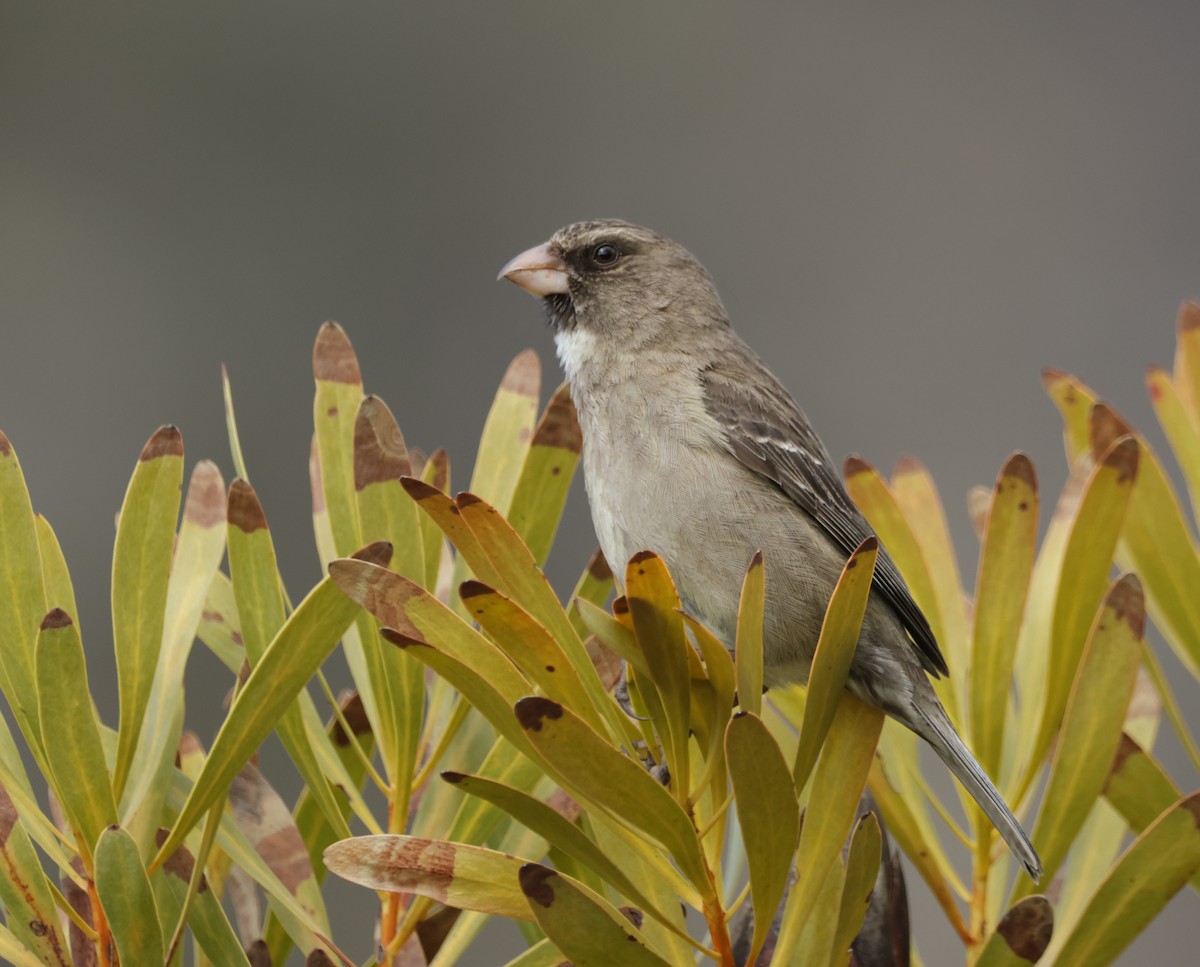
(380, 455)
(439, 460)
(453, 777)
(38, 928)
(400, 639)
(318, 958)
(166, 441)
(563, 804)
(471, 589)
(378, 552)
(1019, 467)
(259, 954)
(1127, 600)
(559, 426)
(8, 816)
(633, 915)
(180, 864)
(620, 605)
(756, 560)
(1105, 427)
(236, 638)
(244, 510)
(1124, 458)
(356, 717)
(1027, 927)
(598, 567)
(535, 881)
(1128, 747)
(641, 556)
(550, 668)
(854, 465)
(56, 618)
(5, 446)
(419, 490)
(333, 356)
(1192, 805)
(524, 375)
(212, 617)
(467, 499)
(332, 411)
(532, 711)
(1189, 316)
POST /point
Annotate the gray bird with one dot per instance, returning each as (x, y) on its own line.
(693, 449)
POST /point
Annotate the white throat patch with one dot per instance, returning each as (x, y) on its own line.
(574, 348)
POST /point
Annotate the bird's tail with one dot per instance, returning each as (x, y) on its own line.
(940, 734)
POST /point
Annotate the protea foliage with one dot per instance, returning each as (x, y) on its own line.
(483, 715)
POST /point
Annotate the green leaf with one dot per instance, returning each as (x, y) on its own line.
(55, 575)
(583, 925)
(339, 392)
(1021, 936)
(141, 568)
(290, 660)
(1151, 871)
(127, 899)
(541, 490)
(768, 814)
(834, 654)
(435, 475)
(1091, 730)
(594, 587)
(837, 785)
(597, 774)
(560, 833)
(748, 653)
(1183, 432)
(198, 553)
(506, 433)
(22, 595)
(1005, 567)
(862, 870)
(235, 443)
(654, 607)
(16, 953)
(456, 874)
(70, 732)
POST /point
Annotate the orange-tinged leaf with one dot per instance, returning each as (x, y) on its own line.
(1187, 357)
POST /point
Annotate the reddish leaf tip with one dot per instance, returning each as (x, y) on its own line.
(620, 605)
(333, 356)
(472, 588)
(419, 490)
(166, 441)
(1189, 316)
(854, 465)
(378, 552)
(907, 465)
(356, 717)
(56, 618)
(1192, 805)
(524, 374)
(1105, 427)
(756, 560)
(1020, 467)
(559, 425)
(534, 709)
(453, 777)
(467, 499)
(244, 510)
(5, 446)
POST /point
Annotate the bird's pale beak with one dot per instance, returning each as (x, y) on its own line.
(538, 270)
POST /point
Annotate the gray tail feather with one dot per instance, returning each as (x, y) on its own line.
(950, 748)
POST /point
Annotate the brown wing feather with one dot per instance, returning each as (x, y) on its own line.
(770, 435)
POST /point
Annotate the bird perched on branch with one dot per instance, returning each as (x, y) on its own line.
(693, 449)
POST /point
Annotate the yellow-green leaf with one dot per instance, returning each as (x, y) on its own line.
(768, 814)
(25, 891)
(55, 575)
(748, 652)
(1151, 871)
(1091, 730)
(506, 433)
(339, 392)
(456, 874)
(862, 870)
(1187, 357)
(837, 785)
(582, 924)
(1182, 430)
(1005, 566)
(834, 654)
(291, 659)
(1021, 936)
(594, 586)
(127, 899)
(541, 490)
(70, 732)
(141, 567)
(595, 773)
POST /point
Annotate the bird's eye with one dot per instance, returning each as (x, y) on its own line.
(605, 255)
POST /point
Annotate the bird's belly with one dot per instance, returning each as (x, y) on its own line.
(706, 518)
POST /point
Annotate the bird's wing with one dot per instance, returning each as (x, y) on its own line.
(769, 434)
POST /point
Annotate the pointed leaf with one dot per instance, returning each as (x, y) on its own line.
(594, 587)
(748, 653)
(834, 654)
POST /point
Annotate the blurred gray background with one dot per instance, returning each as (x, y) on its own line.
(909, 210)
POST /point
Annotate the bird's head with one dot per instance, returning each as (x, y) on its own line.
(612, 285)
